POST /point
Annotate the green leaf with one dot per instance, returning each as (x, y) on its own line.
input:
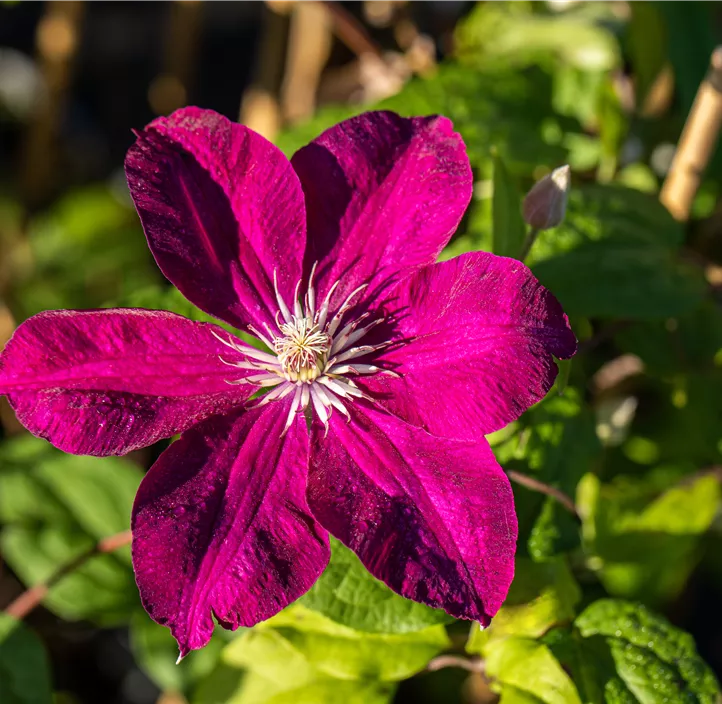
(692, 40)
(343, 653)
(24, 667)
(615, 255)
(562, 380)
(687, 343)
(501, 107)
(55, 507)
(313, 690)
(509, 228)
(556, 442)
(590, 663)
(526, 672)
(347, 593)
(512, 34)
(636, 533)
(646, 46)
(87, 249)
(541, 596)
(555, 531)
(156, 651)
(604, 279)
(301, 656)
(658, 662)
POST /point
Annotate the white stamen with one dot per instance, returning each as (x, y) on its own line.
(279, 392)
(292, 410)
(339, 388)
(354, 369)
(324, 307)
(262, 380)
(251, 365)
(309, 356)
(311, 295)
(281, 305)
(345, 306)
(319, 406)
(330, 399)
(340, 339)
(354, 337)
(359, 351)
(247, 350)
(257, 333)
(296, 302)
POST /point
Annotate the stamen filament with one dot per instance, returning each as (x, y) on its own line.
(310, 356)
(281, 305)
(292, 410)
(323, 313)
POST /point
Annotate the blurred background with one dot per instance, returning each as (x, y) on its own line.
(605, 87)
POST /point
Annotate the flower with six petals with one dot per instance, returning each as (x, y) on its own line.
(365, 413)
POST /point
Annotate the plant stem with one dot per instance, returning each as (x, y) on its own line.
(350, 31)
(472, 664)
(32, 597)
(528, 242)
(542, 488)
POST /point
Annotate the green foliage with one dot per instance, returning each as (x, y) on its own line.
(526, 672)
(347, 594)
(634, 532)
(86, 250)
(542, 595)
(529, 87)
(515, 35)
(615, 256)
(508, 225)
(24, 671)
(156, 651)
(54, 507)
(302, 656)
(556, 442)
(657, 662)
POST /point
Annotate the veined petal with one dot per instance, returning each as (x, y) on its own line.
(433, 518)
(477, 339)
(383, 196)
(222, 210)
(221, 526)
(106, 382)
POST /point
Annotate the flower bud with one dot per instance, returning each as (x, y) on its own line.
(546, 203)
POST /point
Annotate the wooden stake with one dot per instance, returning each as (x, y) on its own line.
(696, 144)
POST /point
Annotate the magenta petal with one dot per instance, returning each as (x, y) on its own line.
(479, 336)
(221, 526)
(433, 518)
(383, 196)
(107, 382)
(222, 210)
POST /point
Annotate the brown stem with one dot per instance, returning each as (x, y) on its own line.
(542, 488)
(32, 597)
(350, 31)
(696, 144)
(472, 664)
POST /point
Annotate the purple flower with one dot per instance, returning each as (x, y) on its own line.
(383, 373)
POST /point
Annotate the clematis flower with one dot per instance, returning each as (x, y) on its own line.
(363, 417)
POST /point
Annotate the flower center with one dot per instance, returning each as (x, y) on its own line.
(302, 349)
(313, 354)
